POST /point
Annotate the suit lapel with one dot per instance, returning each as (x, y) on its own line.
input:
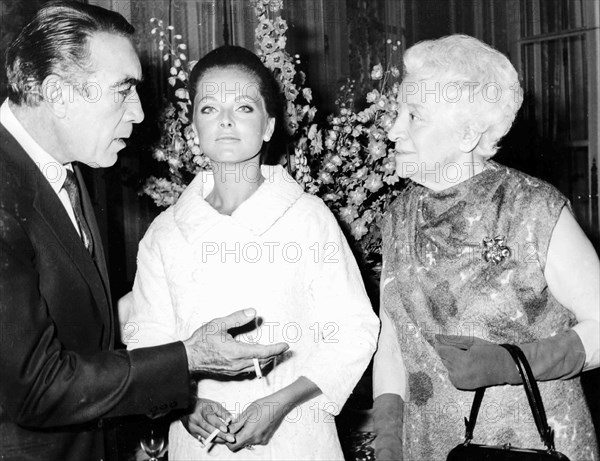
(49, 207)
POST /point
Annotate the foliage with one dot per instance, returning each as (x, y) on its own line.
(270, 42)
(355, 172)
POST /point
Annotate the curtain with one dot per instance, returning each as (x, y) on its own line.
(555, 66)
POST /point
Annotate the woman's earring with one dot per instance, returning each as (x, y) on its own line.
(196, 140)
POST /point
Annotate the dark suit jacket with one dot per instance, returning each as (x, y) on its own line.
(59, 376)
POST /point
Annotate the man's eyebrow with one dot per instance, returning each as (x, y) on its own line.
(131, 81)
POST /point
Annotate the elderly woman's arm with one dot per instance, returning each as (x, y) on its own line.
(573, 276)
(572, 272)
(389, 393)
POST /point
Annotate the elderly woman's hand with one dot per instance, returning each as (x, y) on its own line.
(474, 362)
(388, 411)
(206, 418)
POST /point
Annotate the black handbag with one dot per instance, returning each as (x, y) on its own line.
(468, 451)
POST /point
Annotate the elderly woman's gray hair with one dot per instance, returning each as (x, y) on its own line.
(480, 80)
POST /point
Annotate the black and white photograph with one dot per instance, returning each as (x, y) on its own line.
(326, 230)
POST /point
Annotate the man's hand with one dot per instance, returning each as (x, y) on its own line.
(211, 349)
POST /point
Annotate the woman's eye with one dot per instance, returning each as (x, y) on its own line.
(246, 108)
(412, 116)
(207, 110)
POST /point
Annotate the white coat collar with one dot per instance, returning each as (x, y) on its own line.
(194, 216)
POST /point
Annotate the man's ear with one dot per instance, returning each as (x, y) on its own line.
(56, 94)
(269, 130)
(469, 139)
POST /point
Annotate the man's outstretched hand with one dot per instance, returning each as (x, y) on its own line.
(211, 349)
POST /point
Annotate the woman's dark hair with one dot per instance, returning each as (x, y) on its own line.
(229, 56)
(56, 41)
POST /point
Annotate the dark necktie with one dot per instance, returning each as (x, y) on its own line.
(72, 189)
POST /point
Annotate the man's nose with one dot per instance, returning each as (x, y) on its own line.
(135, 113)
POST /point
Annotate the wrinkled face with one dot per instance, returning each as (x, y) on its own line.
(230, 117)
(427, 140)
(101, 114)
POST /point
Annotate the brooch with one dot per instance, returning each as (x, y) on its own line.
(494, 250)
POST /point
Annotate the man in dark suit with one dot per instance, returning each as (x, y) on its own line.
(72, 98)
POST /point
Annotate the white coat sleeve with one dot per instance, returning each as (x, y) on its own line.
(146, 314)
(347, 325)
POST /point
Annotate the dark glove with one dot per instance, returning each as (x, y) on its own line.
(473, 362)
(388, 411)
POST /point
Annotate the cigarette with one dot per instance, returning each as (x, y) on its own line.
(257, 369)
(211, 437)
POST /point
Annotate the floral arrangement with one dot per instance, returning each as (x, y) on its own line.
(299, 114)
(176, 146)
(355, 172)
(347, 161)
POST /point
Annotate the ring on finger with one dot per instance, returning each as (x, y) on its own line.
(249, 447)
(200, 439)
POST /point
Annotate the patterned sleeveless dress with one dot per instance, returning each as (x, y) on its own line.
(435, 279)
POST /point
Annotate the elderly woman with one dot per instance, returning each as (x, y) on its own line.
(477, 254)
(247, 235)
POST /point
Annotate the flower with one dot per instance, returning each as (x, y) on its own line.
(268, 45)
(372, 96)
(275, 60)
(280, 25)
(357, 196)
(307, 93)
(325, 177)
(291, 93)
(265, 26)
(288, 70)
(182, 93)
(377, 149)
(160, 155)
(359, 229)
(377, 72)
(373, 182)
(347, 213)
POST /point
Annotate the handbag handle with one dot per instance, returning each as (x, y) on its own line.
(533, 396)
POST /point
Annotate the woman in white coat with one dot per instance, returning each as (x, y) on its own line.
(247, 235)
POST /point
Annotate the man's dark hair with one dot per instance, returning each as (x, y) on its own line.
(56, 41)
